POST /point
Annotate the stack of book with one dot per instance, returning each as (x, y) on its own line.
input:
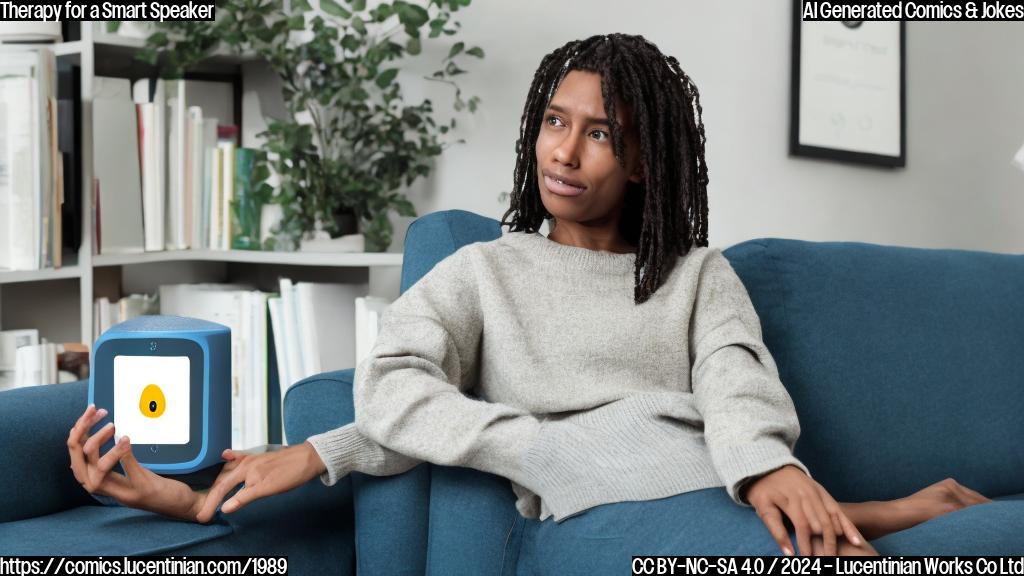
(178, 194)
(31, 175)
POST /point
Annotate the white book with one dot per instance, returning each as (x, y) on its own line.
(369, 314)
(208, 150)
(10, 341)
(307, 320)
(258, 354)
(215, 202)
(177, 154)
(292, 335)
(116, 166)
(151, 96)
(280, 347)
(327, 318)
(152, 178)
(227, 190)
(19, 217)
(25, 179)
(193, 174)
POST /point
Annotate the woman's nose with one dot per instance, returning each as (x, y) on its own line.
(567, 150)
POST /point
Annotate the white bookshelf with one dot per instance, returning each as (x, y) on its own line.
(44, 298)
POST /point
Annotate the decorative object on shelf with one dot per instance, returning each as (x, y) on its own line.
(351, 140)
(848, 100)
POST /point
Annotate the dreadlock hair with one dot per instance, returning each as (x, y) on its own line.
(667, 213)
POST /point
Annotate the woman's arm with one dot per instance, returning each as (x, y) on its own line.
(410, 392)
(878, 518)
(750, 423)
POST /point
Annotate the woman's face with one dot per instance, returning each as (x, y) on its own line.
(580, 180)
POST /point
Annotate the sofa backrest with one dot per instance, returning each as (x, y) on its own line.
(906, 365)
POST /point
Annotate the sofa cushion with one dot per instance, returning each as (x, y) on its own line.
(904, 364)
(993, 529)
(312, 525)
(103, 531)
(472, 514)
(48, 413)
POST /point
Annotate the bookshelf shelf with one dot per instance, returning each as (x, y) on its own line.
(63, 310)
(347, 259)
(16, 276)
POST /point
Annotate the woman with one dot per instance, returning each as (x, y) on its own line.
(600, 403)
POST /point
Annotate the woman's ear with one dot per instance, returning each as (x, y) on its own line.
(637, 177)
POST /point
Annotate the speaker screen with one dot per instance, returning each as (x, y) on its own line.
(151, 399)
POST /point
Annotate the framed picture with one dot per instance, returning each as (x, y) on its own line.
(848, 100)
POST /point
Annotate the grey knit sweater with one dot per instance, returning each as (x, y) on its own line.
(528, 359)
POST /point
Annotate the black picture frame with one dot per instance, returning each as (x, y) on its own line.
(848, 154)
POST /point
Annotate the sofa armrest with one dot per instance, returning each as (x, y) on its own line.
(317, 404)
(34, 426)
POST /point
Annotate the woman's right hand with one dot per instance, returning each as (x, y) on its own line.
(138, 487)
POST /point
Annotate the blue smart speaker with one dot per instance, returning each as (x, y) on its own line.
(166, 384)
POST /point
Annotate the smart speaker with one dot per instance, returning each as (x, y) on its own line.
(166, 384)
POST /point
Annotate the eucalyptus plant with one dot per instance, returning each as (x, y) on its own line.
(350, 140)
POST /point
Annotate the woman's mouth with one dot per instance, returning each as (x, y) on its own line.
(560, 188)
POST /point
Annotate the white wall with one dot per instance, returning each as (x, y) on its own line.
(965, 103)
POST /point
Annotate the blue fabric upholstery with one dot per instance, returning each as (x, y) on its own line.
(45, 511)
(905, 364)
(34, 427)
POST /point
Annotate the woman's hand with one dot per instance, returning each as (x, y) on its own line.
(878, 518)
(812, 511)
(262, 474)
(138, 487)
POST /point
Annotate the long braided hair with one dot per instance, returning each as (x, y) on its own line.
(668, 213)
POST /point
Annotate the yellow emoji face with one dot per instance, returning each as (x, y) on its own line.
(152, 402)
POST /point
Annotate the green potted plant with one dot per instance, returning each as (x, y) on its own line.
(350, 140)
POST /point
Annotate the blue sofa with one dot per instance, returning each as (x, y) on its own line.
(905, 366)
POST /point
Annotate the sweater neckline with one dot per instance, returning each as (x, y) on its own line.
(576, 257)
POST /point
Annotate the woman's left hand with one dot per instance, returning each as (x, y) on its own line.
(808, 506)
(262, 474)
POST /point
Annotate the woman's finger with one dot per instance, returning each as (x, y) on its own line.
(107, 462)
(772, 518)
(970, 497)
(225, 482)
(821, 517)
(131, 466)
(851, 532)
(246, 495)
(91, 449)
(796, 515)
(77, 437)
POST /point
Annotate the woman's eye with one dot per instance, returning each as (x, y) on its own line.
(552, 119)
(604, 135)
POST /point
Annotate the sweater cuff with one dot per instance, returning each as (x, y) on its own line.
(342, 451)
(739, 465)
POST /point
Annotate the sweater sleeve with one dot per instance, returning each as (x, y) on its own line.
(750, 423)
(410, 392)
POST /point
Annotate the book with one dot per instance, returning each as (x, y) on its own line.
(29, 159)
(149, 95)
(119, 209)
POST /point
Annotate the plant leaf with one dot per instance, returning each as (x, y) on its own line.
(456, 48)
(334, 9)
(476, 51)
(414, 46)
(386, 77)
